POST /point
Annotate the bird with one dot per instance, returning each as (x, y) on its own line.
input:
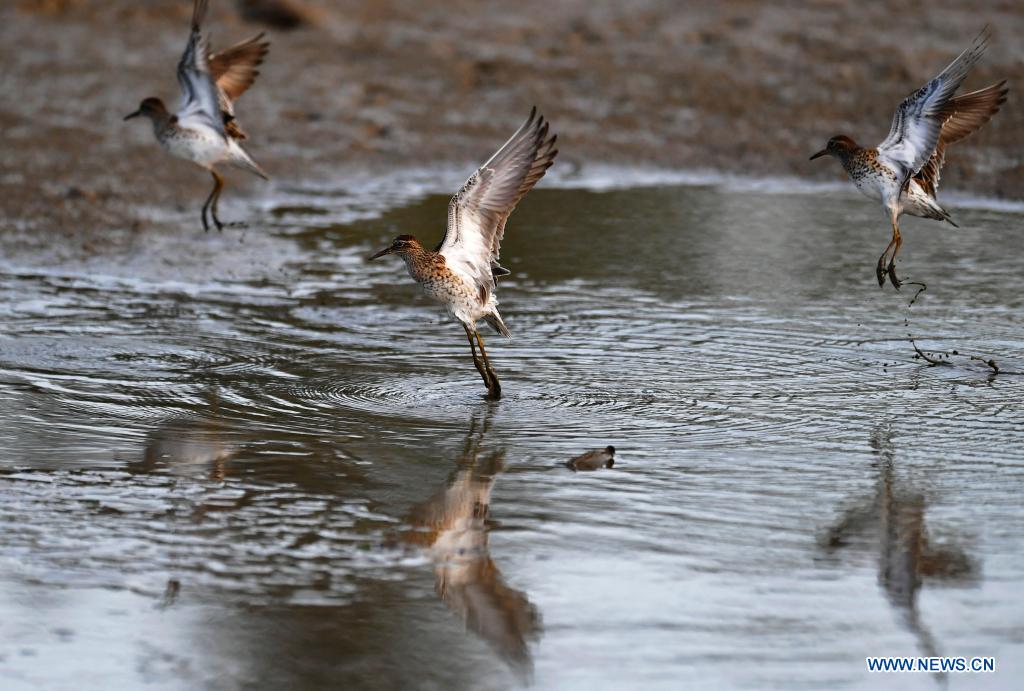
(204, 129)
(593, 460)
(461, 272)
(903, 171)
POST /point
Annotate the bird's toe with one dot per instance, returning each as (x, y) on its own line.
(880, 272)
(893, 278)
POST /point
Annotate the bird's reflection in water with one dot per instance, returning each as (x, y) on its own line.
(190, 443)
(453, 526)
(181, 445)
(906, 556)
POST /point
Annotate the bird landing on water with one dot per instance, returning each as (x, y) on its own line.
(903, 171)
(461, 272)
(204, 129)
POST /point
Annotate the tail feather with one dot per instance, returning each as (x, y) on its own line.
(243, 160)
(495, 322)
(940, 213)
(937, 212)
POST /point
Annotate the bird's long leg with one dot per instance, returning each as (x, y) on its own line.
(896, 250)
(476, 360)
(494, 387)
(209, 200)
(218, 187)
(886, 262)
(882, 266)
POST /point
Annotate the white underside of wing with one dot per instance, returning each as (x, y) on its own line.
(469, 257)
(200, 97)
(917, 144)
(917, 122)
(199, 108)
(479, 210)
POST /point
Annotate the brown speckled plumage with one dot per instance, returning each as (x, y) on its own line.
(439, 282)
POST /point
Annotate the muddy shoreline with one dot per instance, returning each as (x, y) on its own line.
(372, 87)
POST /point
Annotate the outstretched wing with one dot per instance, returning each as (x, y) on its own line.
(199, 98)
(966, 114)
(478, 213)
(918, 121)
(233, 71)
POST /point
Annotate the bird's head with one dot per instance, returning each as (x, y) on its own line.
(152, 107)
(403, 244)
(839, 145)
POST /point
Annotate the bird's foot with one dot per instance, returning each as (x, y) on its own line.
(887, 270)
(893, 278)
(221, 225)
(490, 381)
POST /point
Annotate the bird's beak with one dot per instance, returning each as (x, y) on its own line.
(823, 152)
(386, 250)
(136, 114)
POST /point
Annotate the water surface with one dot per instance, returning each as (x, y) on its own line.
(283, 473)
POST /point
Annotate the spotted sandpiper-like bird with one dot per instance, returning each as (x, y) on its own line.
(461, 271)
(204, 129)
(903, 171)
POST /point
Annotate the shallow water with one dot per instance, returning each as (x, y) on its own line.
(286, 475)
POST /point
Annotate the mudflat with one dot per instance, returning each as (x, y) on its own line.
(360, 87)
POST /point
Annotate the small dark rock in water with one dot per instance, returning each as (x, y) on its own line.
(170, 593)
(592, 460)
(75, 192)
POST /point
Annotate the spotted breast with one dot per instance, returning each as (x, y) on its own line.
(199, 145)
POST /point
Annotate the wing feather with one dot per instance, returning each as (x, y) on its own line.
(199, 96)
(234, 69)
(964, 115)
(918, 121)
(477, 214)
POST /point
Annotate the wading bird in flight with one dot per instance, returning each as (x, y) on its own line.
(204, 130)
(460, 273)
(903, 171)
